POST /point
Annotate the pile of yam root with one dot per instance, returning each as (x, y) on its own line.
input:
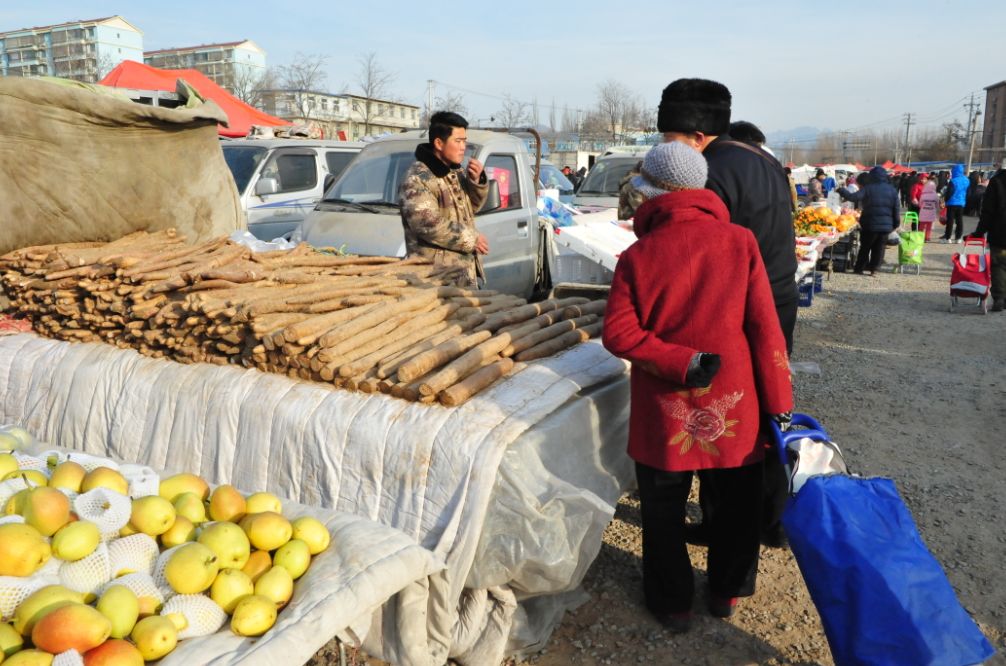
(360, 323)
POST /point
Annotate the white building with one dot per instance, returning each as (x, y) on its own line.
(348, 114)
(236, 66)
(80, 50)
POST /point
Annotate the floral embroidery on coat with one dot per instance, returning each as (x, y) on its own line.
(701, 425)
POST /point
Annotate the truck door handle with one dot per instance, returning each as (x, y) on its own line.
(522, 224)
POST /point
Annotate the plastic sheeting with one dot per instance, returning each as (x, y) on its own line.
(493, 488)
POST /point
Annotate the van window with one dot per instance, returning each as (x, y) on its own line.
(606, 175)
(293, 171)
(337, 161)
(242, 161)
(503, 169)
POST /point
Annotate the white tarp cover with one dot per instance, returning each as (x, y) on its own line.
(546, 445)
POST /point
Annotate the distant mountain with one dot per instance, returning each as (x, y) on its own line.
(800, 135)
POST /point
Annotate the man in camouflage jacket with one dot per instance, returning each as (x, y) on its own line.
(439, 200)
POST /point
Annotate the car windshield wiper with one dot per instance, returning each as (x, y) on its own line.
(591, 192)
(352, 204)
(382, 203)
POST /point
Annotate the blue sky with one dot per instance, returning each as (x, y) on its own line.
(788, 64)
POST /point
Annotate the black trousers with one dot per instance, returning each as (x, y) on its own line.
(787, 319)
(872, 245)
(668, 580)
(955, 218)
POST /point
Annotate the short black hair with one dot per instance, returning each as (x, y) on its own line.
(742, 130)
(442, 124)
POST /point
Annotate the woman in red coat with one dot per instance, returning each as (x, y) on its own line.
(691, 308)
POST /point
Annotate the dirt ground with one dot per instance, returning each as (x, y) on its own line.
(909, 391)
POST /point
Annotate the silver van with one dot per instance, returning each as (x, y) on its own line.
(600, 187)
(281, 180)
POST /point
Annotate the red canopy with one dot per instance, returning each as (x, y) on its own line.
(241, 116)
(888, 165)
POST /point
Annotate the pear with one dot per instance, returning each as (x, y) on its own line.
(120, 605)
(30, 658)
(47, 510)
(15, 505)
(253, 616)
(262, 502)
(105, 477)
(275, 584)
(128, 530)
(8, 464)
(10, 640)
(114, 652)
(258, 563)
(152, 515)
(173, 486)
(294, 556)
(181, 531)
(230, 585)
(149, 606)
(23, 549)
(68, 475)
(154, 636)
(42, 600)
(22, 436)
(312, 532)
(191, 569)
(72, 627)
(267, 530)
(191, 506)
(76, 540)
(32, 477)
(228, 542)
(226, 503)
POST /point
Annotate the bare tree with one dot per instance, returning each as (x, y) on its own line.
(612, 100)
(305, 75)
(568, 120)
(250, 86)
(104, 66)
(449, 101)
(374, 82)
(513, 113)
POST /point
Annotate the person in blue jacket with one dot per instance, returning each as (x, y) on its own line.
(956, 197)
(881, 215)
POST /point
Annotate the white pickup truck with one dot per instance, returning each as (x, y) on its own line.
(361, 214)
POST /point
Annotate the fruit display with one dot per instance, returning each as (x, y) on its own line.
(366, 324)
(814, 221)
(100, 565)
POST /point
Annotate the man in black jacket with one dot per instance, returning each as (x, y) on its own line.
(993, 223)
(755, 189)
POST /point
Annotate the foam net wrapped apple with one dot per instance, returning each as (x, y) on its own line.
(96, 568)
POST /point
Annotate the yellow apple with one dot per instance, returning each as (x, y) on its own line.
(154, 636)
(152, 515)
(76, 540)
(312, 532)
(226, 503)
(191, 569)
(267, 530)
(228, 542)
(253, 616)
(105, 477)
(120, 605)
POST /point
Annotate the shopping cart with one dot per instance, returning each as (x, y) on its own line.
(912, 242)
(882, 597)
(971, 273)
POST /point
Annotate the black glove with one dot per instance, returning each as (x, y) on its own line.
(701, 370)
(783, 420)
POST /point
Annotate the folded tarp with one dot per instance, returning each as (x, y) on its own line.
(512, 490)
(77, 165)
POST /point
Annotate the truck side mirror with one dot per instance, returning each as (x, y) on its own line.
(493, 198)
(329, 182)
(266, 186)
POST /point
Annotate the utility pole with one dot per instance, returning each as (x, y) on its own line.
(908, 147)
(429, 97)
(973, 113)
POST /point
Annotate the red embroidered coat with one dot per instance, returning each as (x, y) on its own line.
(694, 282)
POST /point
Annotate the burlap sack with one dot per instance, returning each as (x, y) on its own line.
(76, 165)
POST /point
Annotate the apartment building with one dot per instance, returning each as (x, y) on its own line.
(235, 66)
(79, 50)
(344, 113)
(993, 146)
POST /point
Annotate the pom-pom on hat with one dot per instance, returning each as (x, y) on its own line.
(694, 105)
(670, 167)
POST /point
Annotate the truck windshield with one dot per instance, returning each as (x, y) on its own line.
(376, 174)
(552, 177)
(242, 161)
(604, 178)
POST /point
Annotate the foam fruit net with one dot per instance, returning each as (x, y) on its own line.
(141, 584)
(14, 590)
(89, 573)
(130, 554)
(201, 612)
(68, 658)
(105, 508)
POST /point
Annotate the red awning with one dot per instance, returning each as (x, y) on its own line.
(888, 165)
(241, 116)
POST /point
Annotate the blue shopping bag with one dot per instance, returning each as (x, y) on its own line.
(882, 597)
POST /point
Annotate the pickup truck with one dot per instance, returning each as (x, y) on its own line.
(280, 180)
(361, 213)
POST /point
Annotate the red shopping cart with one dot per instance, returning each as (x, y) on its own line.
(971, 273)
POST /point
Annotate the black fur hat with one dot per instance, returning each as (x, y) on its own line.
(694, 105)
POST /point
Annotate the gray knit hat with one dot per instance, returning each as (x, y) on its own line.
(671, 166)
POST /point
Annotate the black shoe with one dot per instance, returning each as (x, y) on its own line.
(997, 306)
(697, 534)
(774, 537)
(722, 606)
(676, 623)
